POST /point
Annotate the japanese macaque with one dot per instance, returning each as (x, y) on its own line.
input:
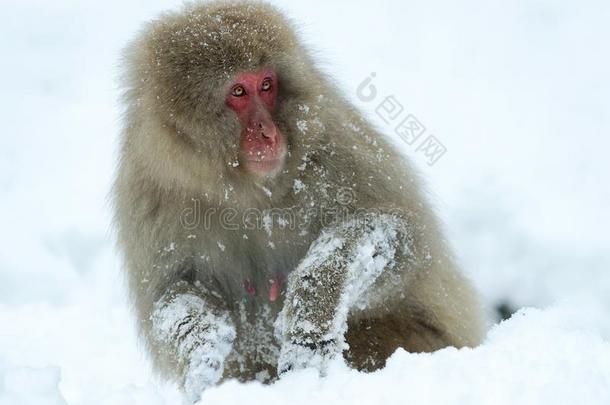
(265, 225)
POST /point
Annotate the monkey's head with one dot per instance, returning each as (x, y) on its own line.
(221, 92)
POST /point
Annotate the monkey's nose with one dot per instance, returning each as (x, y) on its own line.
(262, 130)
(267, 132)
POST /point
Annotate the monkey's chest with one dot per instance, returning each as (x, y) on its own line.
(259, 263)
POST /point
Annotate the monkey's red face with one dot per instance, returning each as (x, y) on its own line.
(262, 146)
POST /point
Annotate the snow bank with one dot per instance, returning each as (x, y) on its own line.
(537, 357)
(30, 386)
(553, 356)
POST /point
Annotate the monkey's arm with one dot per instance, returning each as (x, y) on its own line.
(194, 334)
(340, 266)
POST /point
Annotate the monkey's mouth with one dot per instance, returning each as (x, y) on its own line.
(265, 164)
(264, 167)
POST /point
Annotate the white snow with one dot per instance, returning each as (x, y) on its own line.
(517, 92)
(298, 186)
(302, 126)
(27, 385)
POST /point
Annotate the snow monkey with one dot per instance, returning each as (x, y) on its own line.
(265, 225)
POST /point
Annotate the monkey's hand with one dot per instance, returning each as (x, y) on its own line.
(340, 266)
(198, 335)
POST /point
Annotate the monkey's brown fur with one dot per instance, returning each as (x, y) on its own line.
(180, 151)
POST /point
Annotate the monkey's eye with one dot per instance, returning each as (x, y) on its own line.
(266, 86)
(238, 91)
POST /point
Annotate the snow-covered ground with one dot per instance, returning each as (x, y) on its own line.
(518, 92)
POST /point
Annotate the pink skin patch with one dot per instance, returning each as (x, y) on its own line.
(274, 290)
(249, 288)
